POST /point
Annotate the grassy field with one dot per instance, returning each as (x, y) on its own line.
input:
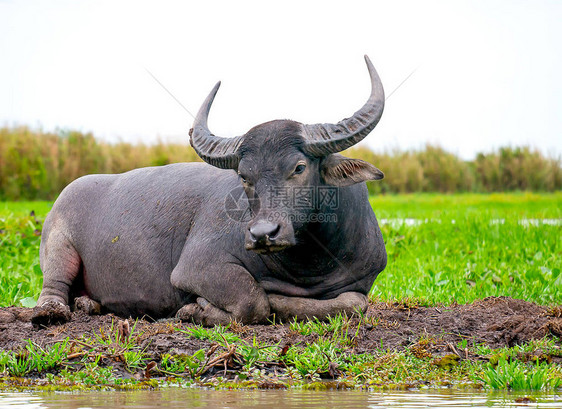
(465, 247)
(441, 248)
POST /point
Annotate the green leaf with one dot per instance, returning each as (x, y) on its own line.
(28, 302)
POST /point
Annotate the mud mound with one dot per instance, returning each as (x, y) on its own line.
(495, 321)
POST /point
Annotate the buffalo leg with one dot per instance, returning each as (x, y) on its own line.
(224, 296)
(60, 264)
(288, 308)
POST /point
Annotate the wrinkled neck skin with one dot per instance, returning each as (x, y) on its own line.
(324, 249)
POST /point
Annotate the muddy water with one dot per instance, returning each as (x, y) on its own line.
(197, 398)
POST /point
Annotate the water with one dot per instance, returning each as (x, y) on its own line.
(198, 398)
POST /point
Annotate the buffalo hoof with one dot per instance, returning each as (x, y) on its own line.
(204, 313)
(87, 305)
(50, 313)
(190, 313)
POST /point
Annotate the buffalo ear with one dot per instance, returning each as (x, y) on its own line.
(337, 170)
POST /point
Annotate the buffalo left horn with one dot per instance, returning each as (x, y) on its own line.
(216, 151)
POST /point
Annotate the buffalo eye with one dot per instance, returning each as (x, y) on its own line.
(243, 179)
(299, 169)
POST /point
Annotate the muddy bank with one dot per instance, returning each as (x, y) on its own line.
(494, 321)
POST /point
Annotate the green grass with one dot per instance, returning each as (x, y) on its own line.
(518, 376)
(469, 246)
(460, 248)
(20, 274)
(41, 208)
(436, 205)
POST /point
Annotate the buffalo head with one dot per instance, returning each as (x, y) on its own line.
(276, 159)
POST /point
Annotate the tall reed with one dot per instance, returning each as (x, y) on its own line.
(38, 165)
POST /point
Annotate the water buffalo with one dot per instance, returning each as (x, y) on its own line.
(276, 222)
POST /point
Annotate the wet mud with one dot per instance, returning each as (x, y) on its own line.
(494, 321)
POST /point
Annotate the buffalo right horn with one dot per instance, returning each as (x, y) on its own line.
(324, 139)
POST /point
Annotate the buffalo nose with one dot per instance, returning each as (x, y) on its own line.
(264, 231)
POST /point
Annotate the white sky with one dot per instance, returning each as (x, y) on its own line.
(489, 71)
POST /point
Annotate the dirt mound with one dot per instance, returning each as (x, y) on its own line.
(494, 321)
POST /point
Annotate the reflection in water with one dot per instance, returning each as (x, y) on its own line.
(198, 398)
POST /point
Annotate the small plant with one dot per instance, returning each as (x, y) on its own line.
(462, 344)
(119, 336)
(91, 374)
(4, 359)
(516, 375)
(336, 328)
(315, 359)
(134, 359)
(19, 365)
(48, 358)
(179, 364)
(218, 333)
(254, 354)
